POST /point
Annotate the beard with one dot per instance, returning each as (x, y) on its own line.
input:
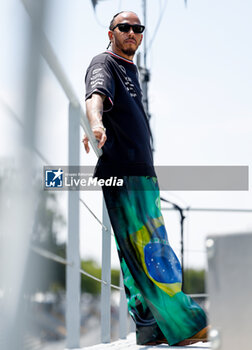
(129, 52)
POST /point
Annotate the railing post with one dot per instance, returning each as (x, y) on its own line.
(123, 311)
(73, 255)
(106, 276)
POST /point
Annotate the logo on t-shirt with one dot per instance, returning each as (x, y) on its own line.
(122, 68)
(97, 77)
(130, 86)
(128, 82)
(97, 70)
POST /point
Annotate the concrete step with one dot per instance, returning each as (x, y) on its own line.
(130, 344)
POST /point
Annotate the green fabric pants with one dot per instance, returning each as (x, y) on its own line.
(151, 270)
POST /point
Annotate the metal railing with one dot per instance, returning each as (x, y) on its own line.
(77, 118)
(105, 281)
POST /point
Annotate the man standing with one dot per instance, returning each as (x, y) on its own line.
(151, 270)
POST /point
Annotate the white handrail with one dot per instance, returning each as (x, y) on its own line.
(57, 69)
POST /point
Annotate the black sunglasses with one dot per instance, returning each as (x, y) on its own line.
(125, 28)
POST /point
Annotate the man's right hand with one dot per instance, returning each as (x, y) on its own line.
(100, 135)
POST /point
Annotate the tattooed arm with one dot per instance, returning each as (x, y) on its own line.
(94, 108)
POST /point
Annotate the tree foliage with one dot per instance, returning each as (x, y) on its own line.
(89, 285)
(194, 281)
(48, 274)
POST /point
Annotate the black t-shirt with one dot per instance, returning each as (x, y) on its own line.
(127, 150)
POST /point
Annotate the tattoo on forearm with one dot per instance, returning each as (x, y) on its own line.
(94, 107)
